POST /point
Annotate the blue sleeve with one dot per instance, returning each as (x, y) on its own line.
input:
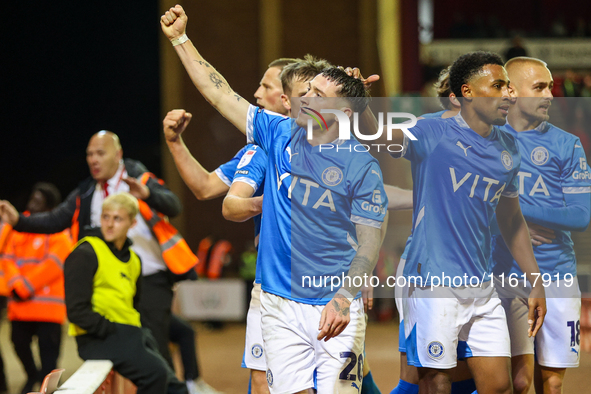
(226, 171)
(576, 190)
(369, 200)
(252, 168)
(428, 133)
(262, 127)
(512, 188)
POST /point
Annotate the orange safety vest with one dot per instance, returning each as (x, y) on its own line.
(33, 267)
(212, 257)
(175, 251)
(5, 230)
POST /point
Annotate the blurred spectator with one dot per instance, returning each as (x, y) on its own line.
(586, 86)
(580, 28)
(4, 231)
(3, 383)
(558, 28)
(33, 269)
(516, 49)
(570, 86)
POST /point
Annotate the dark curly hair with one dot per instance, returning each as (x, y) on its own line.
(349, 87)
(467, 65)
(51, 193)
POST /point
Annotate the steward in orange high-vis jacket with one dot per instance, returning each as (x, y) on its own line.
(33, 271)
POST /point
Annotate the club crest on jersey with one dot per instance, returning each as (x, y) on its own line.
(436, 350)
(539, 156)
(507, 160)
(257, 350)
(246, 158)
(269, 377)
(332, 176)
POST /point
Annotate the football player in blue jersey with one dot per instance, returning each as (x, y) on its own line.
(465, 168)
(295, 79)
(554, 194)
(339, 206)
(462, 383)
(242, 179)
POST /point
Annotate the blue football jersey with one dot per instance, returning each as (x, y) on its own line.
(249, 166)
(433, 115)
(226, 171)
(314, 196)
(553, 166)
(458, 179)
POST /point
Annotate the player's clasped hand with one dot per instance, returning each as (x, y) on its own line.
(335, 318)
(539, 234)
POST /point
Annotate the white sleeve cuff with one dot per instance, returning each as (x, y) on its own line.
(225, 179)
(365, 221)
(252, 110)
(509, 194)
(248, 181)
(576, 190)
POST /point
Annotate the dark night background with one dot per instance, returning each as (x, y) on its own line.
(70, 70)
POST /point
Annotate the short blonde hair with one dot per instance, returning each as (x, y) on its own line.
(521, 60)
(123, 200)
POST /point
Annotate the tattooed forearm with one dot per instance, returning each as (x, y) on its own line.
(360, 265)
(365, 259)
(216, 79)
(203, 63)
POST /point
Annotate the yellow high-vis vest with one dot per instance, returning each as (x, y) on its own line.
(113, 286)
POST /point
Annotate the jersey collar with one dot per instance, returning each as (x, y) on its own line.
(460, 121)
(542, 128)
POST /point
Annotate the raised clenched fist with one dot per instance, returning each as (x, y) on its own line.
(175, 123)
(174, 22)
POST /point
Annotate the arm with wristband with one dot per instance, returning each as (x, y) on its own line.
(210, 83)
